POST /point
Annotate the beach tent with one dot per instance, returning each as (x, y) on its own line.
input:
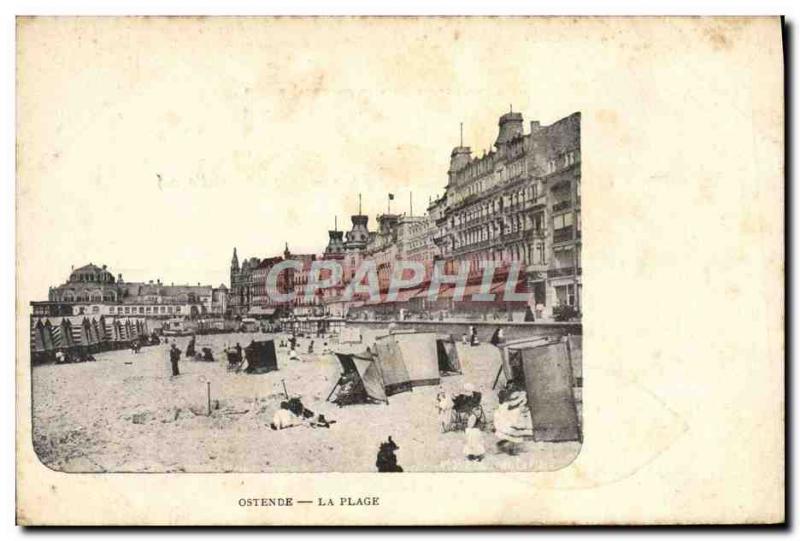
(87, 332)
(261, 357)
(41, 339)
(364, 369)
(37, 336)
(543, 368)
(47, 336)
(350, 335)
(59, 332)
(97, 329)
(447, 355)
(119, 333)
(110, 331)
(407, 360)
(401, 361)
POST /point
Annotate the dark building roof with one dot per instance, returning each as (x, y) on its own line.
(91, 273)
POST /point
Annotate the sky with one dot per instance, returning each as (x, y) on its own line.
(156, 146)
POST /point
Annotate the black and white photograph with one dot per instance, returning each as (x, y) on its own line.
(264, 261)
(438, 336)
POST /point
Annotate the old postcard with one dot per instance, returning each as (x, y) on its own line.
(295, 271)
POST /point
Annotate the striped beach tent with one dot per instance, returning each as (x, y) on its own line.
(116, 332)
(88, 333)
(123, 331)
(37, 336)
(76, 332)
(47, 336)
(65, 333)
(138, 325)
(98, 330)
(108, 329)
(56, 333)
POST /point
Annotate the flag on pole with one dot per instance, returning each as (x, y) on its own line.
(391, 197)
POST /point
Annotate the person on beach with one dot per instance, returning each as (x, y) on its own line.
(174, 357)
(512, 421)
(386, 461)
(468, 400)
(444, 405)
(497, 337)
(473, 448)
(284, 418)
(473, 336)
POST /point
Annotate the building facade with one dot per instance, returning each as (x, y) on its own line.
(519, 203)
(94, 290)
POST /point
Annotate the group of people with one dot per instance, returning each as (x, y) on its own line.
(471, 338)
(512, 419)
(63, 356)
(292, 412)
(464, 410)
(293, 345)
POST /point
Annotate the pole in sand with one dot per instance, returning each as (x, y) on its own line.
(286, 394)
(208, 388)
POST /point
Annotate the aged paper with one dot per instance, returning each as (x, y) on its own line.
(263, 261)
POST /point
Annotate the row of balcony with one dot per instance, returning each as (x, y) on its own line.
(496, 215)
(565, 234)
(505, 238)
(564, 271)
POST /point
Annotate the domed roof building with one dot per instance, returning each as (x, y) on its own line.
(89, 283)
(91, 273)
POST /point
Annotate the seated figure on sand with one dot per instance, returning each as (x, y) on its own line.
(350, 390)
(512, 421)
(292, 412)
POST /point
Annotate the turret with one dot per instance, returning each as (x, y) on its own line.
(510, 125)
(234, 261)
(335, 242)
(459, 157)
(358, 235)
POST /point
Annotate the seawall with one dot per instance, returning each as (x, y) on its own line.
(485, 329)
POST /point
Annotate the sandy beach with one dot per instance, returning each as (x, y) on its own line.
(125, 413)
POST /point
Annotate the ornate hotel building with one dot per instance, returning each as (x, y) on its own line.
(518, 203)
(93, 290)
